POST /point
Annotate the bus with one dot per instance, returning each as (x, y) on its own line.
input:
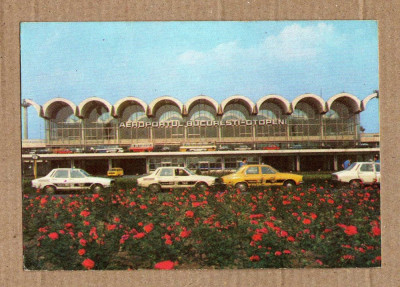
(143, 147)
(207, 147)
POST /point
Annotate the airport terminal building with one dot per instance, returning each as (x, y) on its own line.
(273, 129)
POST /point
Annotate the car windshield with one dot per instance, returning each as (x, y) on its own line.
(84, 172)
(350, 167)
(189, 171)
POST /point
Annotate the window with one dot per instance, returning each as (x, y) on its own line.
(180, 172)
(366, 167)
(252, 170)
(267, 170)
(166, 172)
(61, 174)
(76, 174)
(377, 167)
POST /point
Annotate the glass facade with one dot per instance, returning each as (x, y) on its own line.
(170, 123)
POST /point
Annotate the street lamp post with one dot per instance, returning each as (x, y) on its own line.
(35, 157)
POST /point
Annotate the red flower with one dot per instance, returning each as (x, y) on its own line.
(68, 225)
(376, 231)
(255, 258)
(351, 230)
(189, 213)
(287, 251)
(185, 233)
(306, 221)
(53, 235)
(85, 213)
(148, 227)
(82, 242)
(139, 235)
(81, 251)
(168, 241)
(111, 226)
(257, 237)
(88, 263)
(278, 253)
(164, 265)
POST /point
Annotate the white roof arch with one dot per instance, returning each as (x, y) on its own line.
(36, 106)
(122, 103)
(349, 100)
(320, 103)
(191, 102)
(365, 101)
(49, 106)
(165, 99)
(249, 103)
(86, 104)
(281, 101)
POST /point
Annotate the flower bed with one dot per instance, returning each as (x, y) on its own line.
(314, 226)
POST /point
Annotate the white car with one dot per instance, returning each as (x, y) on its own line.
(71, 179)
(176, 177)
(359, 173)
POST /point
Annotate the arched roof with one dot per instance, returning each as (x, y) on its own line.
(127, 101)
(85, 105)
(312, 99)
(155, 104)
(351, 101)
(36, 106)
(52, 106)
(367, 99)
(276, 99)
(238, 98)
(192, 102)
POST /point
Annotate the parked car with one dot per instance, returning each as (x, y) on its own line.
(253, 175)
(76, 150)
(271, 147)
(224, 147)
(146, 147)
(62, 150)
(359, 173)
(296, 146)
(115, 171)
(71, 179)
(176, 177)
(108, 149)
(243, 147)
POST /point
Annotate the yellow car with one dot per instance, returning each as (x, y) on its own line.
(260, 175)
(115, 171)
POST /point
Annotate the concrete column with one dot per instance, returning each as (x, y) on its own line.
(72, 163)
(109, 163)
(223, 163)
(25, 120)
(335, 162)
(147, 165)
(297, 163)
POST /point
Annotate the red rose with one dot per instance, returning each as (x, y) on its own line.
(81, 251)
(185, 233)
(189, 213)
(111, 226)
(278, 253)
(351, 230)
(148, 227)
(376, 231)
(164, 265)
(139, 235)
(88, 263)
(53, 235)
(85, 213)
(255, 258)
(82, 242)
(257, 237)
(306, 221)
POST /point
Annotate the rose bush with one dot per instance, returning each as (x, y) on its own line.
(311, 226)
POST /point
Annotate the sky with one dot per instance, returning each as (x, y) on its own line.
(112, 60)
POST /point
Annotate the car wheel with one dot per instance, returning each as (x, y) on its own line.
(289, 184)
(201, 186)
(241, 186)
(154, 188)
(49, 189)
(97, 188)
(355, 183)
